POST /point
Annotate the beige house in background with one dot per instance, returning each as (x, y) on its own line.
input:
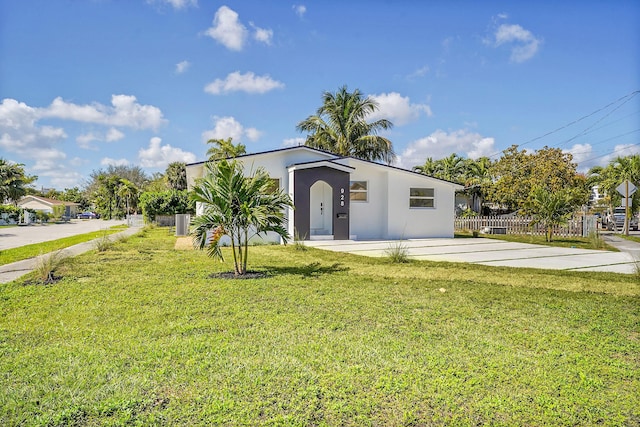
(50, 206)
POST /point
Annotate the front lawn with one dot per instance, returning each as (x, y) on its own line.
(141, 335)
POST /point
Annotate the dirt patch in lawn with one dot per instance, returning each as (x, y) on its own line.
(184, 244)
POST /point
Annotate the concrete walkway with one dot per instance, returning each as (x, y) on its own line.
(500, 253)
(15, 270)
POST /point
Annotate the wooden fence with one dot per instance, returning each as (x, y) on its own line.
(575, 227)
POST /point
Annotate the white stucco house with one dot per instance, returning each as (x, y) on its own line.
(344, 198)
(50, 206)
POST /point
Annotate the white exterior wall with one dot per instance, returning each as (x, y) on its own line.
(36, 205)
(368, 220)
(275, 163)
(414, 223)
(387, 214)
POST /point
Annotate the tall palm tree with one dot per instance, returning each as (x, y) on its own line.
(176, 174)
(225, 149)
(128, 191)
(452, 168)
(429, 167)
(340, 126)
(477, 181)
(239, 207)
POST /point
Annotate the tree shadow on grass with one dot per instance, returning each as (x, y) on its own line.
(314, 269)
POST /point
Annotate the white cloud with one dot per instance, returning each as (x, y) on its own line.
(262, 35)
(248, 82)
(159, 156)
(420, 72)
(182, 67)
(19, 132)
(113, 134)
(229, 127)
(441, 144)
(227, 29)
(107, 161)
(586, 158)
(125, 111)
(85, 140)
(293, 142)
(524, 45)
(300, 9)
(398, 109)
(176, 4)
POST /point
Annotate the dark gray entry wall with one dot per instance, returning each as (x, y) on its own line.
(303, 179)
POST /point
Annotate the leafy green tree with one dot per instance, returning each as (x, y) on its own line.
(340, 126)
(13, 181)
(168, 202)
(176, 174)
(77, 196)
(239, 207)
(224, 149)
(517, 173)
(551, 208)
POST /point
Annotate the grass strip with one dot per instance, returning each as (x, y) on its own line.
(8, 256)
(558, 241)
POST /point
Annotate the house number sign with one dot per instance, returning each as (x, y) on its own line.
(341, 196)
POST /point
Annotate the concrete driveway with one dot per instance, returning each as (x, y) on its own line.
(497, 253)
(13, 237)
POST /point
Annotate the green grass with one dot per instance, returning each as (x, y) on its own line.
(8, 256)
(558, 241)
(141, 335)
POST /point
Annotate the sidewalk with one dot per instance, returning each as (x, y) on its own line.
(15, 270)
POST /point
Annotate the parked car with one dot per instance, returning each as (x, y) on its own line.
(87, 215)
(616, 220)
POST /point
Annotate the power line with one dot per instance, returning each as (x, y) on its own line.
(626, 97)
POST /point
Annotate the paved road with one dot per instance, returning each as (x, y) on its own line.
(13, 271)
(500, 253)
(14, 237)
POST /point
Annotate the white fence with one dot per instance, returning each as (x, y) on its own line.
(575, 227)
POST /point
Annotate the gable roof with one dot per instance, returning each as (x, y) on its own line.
(335, 159)
(47, 201)
(277, 150)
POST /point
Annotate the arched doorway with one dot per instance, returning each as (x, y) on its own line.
(321, 209)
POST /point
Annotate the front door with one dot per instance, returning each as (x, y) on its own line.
(321, 209)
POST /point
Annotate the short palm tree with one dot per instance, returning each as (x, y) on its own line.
(238, 206)
(340, 126)
(551, 208)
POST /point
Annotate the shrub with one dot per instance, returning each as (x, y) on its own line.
(46, 266)
(398, 252)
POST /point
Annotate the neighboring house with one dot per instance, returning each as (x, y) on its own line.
(50, 206)
(342, 198)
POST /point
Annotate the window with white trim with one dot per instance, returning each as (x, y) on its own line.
(422, 197)
(358, 191)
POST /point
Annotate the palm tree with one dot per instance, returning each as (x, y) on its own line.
(452, 168)
(430, 167)
(551, 208)
(13, 181)
(340, 126)
(128, 191)
(477, 181)
(176, 176)
(225, 149)
(239, 207)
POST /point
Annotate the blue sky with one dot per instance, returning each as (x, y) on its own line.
(84, 84)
